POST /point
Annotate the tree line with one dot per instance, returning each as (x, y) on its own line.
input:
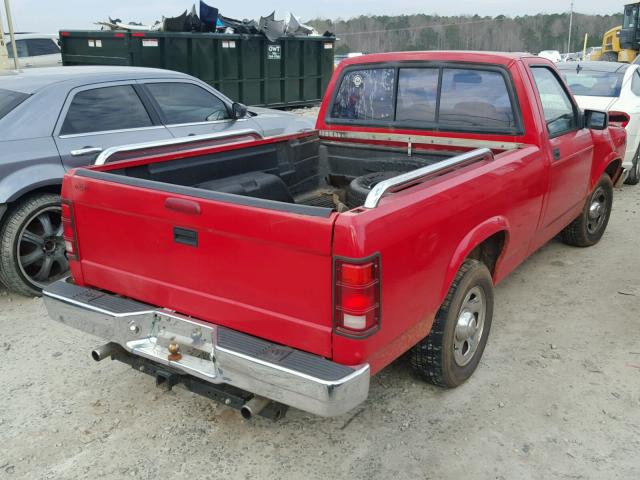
(529, 33)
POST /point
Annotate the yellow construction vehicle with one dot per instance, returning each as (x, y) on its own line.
(621, 43)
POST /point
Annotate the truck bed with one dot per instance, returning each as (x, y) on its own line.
(302, 171)
(243, 233)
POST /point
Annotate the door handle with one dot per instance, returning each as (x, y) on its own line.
(185, 236)
(85, 151)
(182, 205)
(556, 153)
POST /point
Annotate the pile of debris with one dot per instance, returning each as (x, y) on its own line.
(211, 21)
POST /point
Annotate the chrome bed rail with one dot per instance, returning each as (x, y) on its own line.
(109, 152)
(416, 176)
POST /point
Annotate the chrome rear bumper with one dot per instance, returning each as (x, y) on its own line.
(212, 353)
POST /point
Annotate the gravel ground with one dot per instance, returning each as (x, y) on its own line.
(557, 395)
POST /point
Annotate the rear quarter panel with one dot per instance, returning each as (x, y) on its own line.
(424, 233)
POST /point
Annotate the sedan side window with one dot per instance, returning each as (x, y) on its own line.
(556, 104)
(104, 109)
(187, 103)
(42, 46)
(21, 47)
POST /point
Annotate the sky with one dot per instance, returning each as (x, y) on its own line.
(48, 16)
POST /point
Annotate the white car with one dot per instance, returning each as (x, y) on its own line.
(615, 88)
(35, 50)
(553, 55)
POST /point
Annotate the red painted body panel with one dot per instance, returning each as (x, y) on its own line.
(260, 271)
(269, 273)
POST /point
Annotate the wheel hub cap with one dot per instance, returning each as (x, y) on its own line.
(597, 210)
(469, 327)
(40, 249)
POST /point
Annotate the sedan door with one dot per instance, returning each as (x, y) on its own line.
(187, 109)
(95, 118)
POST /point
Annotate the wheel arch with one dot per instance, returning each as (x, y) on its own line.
(612, 166)
(485, 243)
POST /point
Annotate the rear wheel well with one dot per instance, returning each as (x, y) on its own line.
(489, 250)
(613, 169)
(55, 189)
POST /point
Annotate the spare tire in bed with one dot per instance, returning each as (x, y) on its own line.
(360, 187)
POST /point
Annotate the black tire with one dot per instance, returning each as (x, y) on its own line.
(31, 245)
(436, 358)
(609, 57)
(634, 174)
(360, 187)
(588, 228)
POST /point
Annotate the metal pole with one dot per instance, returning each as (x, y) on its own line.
(7, 9)
(570, 25)
(584, 48)
(4, 60)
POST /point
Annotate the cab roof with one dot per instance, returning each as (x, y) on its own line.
(501, 58)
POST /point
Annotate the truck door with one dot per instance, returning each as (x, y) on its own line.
(570, 148)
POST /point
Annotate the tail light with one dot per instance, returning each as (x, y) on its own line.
(619, 119)
(357, 296)
(69, 230)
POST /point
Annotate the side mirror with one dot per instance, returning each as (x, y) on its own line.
(596, 119)
(239, 110)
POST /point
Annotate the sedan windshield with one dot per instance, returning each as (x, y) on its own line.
(10, 100)
(594, 84)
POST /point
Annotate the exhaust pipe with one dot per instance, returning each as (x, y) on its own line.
(254, 407)
(106, 350)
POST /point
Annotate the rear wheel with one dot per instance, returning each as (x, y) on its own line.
(609, 57)
(449, 355)
(588, 228)
(32, 251)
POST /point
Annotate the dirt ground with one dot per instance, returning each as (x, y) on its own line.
(557, 395)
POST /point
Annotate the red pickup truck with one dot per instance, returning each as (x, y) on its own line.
(288, 270)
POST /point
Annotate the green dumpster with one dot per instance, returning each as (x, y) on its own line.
(290, 72)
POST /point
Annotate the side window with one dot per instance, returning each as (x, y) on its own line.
(635, 83)
(556, 104)
(417, 94)
(41, 46)
(475, 99)
(187, 103)
(21, 47)
(104, 109)
(365, 95)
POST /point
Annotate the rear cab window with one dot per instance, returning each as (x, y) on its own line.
(9, 100)
(445, 98)
(365, 95)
